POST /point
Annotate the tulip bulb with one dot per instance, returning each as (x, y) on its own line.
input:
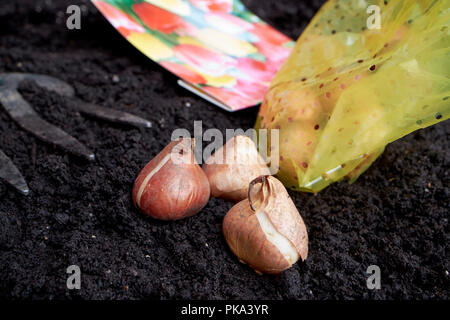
(231, 168)
(266, 230)
(172, 185)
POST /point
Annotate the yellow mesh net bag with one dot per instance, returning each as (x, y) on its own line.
(347, 90)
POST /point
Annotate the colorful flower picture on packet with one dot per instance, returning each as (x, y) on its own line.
(219, 49)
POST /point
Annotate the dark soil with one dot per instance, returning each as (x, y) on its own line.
(395, 216)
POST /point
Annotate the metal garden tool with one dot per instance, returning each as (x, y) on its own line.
(24, 115)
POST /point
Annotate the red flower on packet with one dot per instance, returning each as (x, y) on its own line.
(204, 60)
(213, 5)
(217, 47)
(256, 69)
(268, 34)
(246, 95)
(120, 20)
(159, 19)
(183, 72)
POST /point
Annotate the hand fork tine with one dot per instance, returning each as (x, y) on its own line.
(111, 115)
(27, 118)
(10, 173)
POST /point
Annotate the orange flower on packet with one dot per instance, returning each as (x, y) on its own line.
(219, 49)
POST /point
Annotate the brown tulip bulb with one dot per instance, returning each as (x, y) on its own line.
(172, 185)
(231, 168)
(266, 231)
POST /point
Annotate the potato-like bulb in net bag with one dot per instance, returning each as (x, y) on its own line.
(349, 88)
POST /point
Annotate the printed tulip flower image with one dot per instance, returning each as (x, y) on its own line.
(218, 47)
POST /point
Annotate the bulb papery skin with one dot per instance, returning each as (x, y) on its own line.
(248, 242)
(172, 185)
(266, 231)
(284, 246)
(231, 168)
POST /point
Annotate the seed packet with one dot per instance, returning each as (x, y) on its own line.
(219, 49)
(362, 75)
